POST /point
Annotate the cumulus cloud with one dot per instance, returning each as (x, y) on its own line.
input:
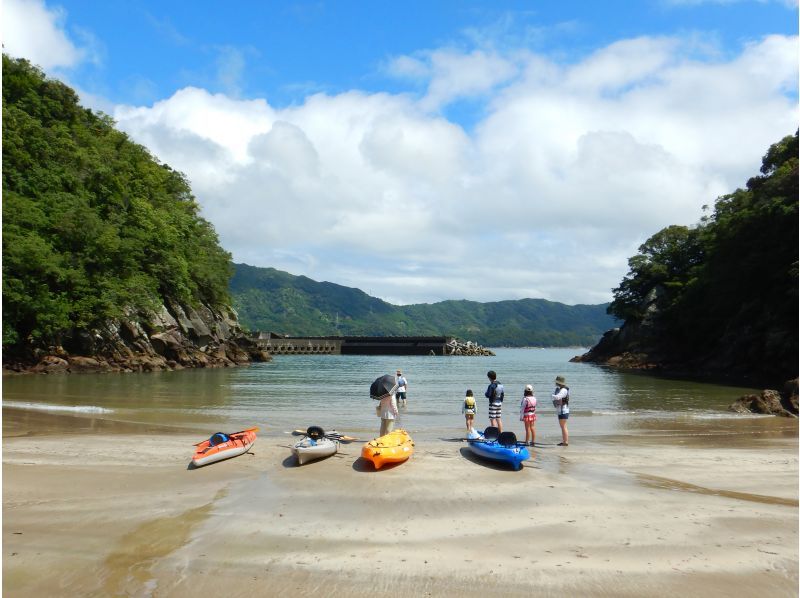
(574, 166)
(32, 31)
(454, 75)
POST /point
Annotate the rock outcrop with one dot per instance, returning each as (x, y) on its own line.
(644, 345)
(457, 347)
(635, 345)
(770, 402)
(174, 337)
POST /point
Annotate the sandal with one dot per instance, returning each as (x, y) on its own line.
(563, 444)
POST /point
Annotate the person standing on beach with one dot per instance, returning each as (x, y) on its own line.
(402, 387)
(527, 414)
(495, 393)
(561, 403)
(468, 409)
(387, 411)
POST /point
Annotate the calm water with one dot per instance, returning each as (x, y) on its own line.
(296, 391)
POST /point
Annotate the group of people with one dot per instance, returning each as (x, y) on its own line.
(527, 408)
(387, 409)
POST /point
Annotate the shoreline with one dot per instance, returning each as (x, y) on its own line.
(113, 509)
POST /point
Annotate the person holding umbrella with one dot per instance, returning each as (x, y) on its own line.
(383, 389)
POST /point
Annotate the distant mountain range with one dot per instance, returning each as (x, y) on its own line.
(271, 300)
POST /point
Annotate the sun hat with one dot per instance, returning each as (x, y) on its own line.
(399, 371)
(561, 381)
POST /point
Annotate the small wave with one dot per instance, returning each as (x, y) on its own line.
(46, 407)
(727, 415)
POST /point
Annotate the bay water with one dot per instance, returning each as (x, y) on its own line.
(295, 391)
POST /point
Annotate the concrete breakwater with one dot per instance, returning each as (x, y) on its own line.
(277, 344)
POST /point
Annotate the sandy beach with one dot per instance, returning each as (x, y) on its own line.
(97, 508)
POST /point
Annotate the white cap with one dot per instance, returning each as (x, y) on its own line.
(529, 387)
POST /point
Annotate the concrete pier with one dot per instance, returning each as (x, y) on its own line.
(277, 344)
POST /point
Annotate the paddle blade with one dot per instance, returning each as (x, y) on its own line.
(343, 438)
(243, 431)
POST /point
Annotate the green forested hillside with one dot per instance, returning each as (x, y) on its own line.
(726, 291)
(271, 300)
(92, 224)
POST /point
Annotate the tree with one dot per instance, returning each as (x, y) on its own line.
(731, 284)
(666, 259)
(93, 225)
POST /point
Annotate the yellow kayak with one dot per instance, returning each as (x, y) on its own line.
(395, 447)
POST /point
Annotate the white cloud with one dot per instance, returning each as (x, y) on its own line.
(230, 64)
(456, 75)
(32, 31)
(573, 168)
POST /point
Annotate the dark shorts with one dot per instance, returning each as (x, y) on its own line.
(401, 396)
(563, 416)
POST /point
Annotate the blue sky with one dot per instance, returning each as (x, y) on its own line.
(505, 149)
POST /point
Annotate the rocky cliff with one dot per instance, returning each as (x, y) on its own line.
(635, 345)
(641, 346)
(174, 337)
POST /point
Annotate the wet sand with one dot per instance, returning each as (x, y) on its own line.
(104, 509)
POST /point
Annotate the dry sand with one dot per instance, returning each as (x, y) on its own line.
(113, 510)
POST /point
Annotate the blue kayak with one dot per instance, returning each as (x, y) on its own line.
(513, 455)
(503, 449)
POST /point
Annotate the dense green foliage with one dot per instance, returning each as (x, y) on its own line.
(271, 300)
(728, 287)
(92, 224)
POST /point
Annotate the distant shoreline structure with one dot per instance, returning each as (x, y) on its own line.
(280, 344)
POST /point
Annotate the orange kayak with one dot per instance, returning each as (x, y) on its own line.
(223, 446)
(395, 447)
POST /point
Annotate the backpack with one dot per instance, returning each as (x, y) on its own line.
(218, 438)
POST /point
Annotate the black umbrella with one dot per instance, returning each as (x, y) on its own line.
(385, 385)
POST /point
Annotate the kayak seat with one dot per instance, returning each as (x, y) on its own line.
(491, 433)
(218, 438)
(507, 439)
(315, 432)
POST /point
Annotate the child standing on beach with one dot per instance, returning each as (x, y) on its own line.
(468, 409)
(527, 414)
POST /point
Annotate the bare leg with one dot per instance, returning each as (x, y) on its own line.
(529, 433)
(564, 431)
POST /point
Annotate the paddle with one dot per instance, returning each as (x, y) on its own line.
(331, 435)
(255, 429)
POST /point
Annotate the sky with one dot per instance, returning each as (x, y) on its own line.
(422, 151)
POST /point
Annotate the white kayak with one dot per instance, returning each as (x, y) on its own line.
(311, 449)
